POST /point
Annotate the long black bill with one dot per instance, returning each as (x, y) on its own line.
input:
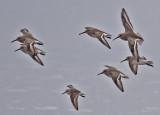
(64, 92)
(99, 73)
(13, 41)
(17, 50)
(114, 38)
(123, 60)
(82, 33)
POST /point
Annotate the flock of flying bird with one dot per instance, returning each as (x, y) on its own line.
(27, 46)
(28, 42)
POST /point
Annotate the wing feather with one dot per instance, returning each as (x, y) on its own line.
(118, 83)
(126, 21)
(74, 100)
(104, 41)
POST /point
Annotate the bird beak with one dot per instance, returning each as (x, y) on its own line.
(82, 33)
(123, 60)
(17, 50)
(115, 38)
(64, 92)
(100, 73)
(13, 41)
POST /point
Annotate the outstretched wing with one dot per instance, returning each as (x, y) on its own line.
(126, 21)
(118, 83)
(74, 100)
(110, 67)
(36, 58)
(31, 48)
(133, 67)
(33, 53)
(132, 43)
(104, 41)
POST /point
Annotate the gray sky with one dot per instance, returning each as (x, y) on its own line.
(30, 89)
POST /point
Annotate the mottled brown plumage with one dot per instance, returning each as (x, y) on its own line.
(115, 75)
(74, 94)
(129, 35)
(100, 35)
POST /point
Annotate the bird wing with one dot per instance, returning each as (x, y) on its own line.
(133, 67)
(91, 28)
(36, 58)
(110, 67)
(118, 83)
(126, 21)
(31, 48)
(104, 41)
(33, 53)
(29, 39)
(132, 43)
(74, 100)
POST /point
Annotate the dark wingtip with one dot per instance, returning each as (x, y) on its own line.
(150, 65)
(135, 73)
(41, 64)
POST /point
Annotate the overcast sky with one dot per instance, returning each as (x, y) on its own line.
(28, 88)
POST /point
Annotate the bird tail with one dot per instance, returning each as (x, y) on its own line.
(82, 95)
(149, 63)
(42, 53)
(38, 42)
(140, 41)
(108, 35)
(125, 76)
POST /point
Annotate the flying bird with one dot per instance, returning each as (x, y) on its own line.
(74, 94)
(116, 76)
(129, 35)
(100, 35)
(27, 38)
(133, 64)
(32, 51)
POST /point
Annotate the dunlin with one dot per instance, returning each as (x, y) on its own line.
(133, 64)
(100, 35)
(32, 51)
(115, 75)
(129, 34)
(27, 37)
(74, 94)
